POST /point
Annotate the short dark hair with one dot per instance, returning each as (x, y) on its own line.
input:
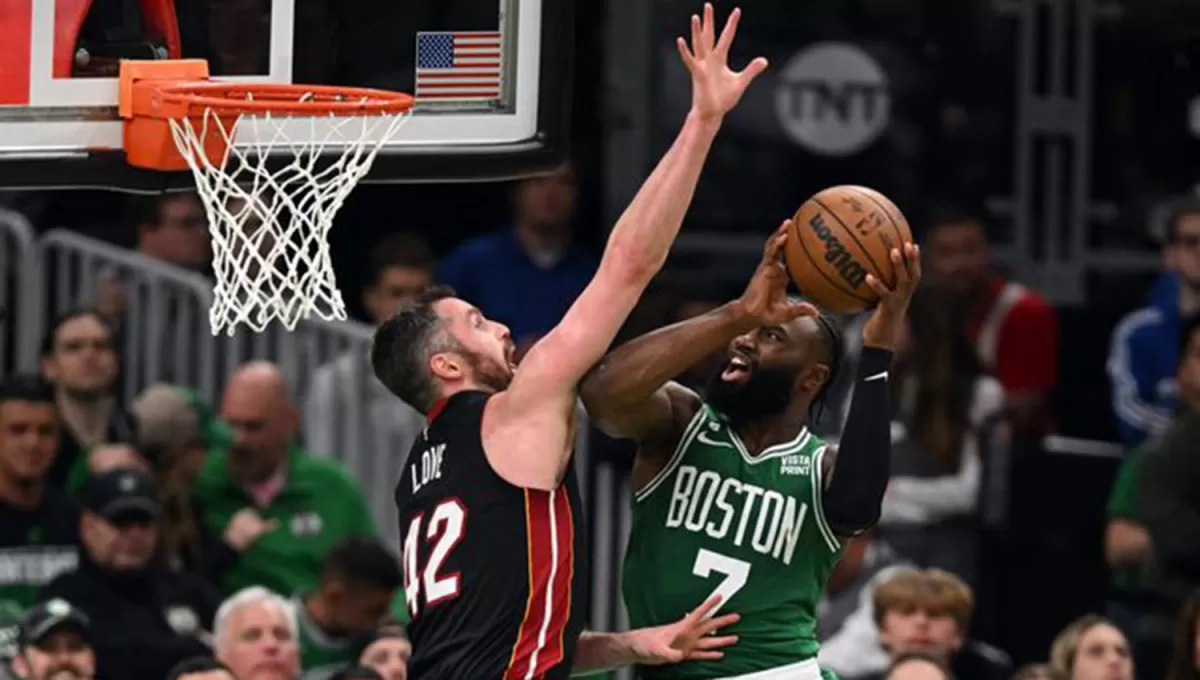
(67, 317)
(27, 388)
(926, 657)
(400, 250)
(361, 562)
(199, 664)
(1181, 208)
(402, 346)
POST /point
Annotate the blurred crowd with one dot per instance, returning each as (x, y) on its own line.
(169, 533)
(166, 536)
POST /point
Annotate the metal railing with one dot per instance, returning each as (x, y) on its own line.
(19, 306)
(165, 337)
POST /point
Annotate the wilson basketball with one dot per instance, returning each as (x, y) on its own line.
(839, 236)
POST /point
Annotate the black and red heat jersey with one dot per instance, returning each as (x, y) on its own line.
(494, 574)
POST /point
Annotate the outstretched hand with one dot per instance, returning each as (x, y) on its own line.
(884, 327)
(715, 87)
(766, 299)
(689, 639)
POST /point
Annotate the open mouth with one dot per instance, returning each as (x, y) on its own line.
(737, 370)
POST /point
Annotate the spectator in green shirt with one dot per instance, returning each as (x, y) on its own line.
(310, 501)
(359, 579)
(1142, 602)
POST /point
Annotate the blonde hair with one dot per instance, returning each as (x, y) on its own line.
(936, 591)
(1038, 671)
(1066, 644)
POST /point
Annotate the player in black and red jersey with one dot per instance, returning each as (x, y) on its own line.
(490, 512)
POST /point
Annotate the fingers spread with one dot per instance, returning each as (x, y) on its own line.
(714, 642)
(698, 655)
(718, 622)
(700, 613)
(685, 54)
(697, 38)
(728, 33)
(753, 70)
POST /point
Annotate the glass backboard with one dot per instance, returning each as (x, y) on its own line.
(490, 76)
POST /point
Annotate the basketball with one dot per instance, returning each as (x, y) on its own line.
(839, 236)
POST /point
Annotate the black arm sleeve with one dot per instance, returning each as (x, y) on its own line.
(852, 499)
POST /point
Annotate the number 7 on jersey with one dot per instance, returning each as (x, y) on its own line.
(445, 529)
(736, 572)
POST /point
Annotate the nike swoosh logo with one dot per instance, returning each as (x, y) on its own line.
(705, 439)
(882, 375)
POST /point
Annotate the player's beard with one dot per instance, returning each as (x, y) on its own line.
(487, 372)
(766, 392)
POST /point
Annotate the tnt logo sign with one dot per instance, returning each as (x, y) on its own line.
(833, 99)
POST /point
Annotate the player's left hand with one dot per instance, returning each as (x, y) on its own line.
(689, 639)
(886, 324)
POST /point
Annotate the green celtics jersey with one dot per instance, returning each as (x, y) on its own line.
(718, 520)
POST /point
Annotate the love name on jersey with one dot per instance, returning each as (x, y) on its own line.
(705, 502)
(429, 468)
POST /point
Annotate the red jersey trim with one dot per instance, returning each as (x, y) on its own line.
(550, 546)
(435, 410)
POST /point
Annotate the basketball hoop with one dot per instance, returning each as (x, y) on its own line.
(269, 213)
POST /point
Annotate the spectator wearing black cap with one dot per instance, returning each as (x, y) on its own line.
(39, 526)
(54, 640)
(388, 652)
(145, 617)
(201, 668)
(359, 579)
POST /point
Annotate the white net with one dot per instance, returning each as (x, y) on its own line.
(270, 206)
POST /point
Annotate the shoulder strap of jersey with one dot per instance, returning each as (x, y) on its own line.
(689, 434)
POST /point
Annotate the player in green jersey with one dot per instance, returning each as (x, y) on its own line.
(734, 496)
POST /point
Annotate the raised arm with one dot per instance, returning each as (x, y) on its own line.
(545, 384)
(855, 484)
(629, 393)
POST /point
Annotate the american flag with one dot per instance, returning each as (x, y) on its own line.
(458, 65)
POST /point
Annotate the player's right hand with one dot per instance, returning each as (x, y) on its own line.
(715, 87)
(766, 299)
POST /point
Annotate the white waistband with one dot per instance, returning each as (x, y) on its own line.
(804, 670)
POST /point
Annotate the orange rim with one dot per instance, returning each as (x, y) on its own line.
(281, 99)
